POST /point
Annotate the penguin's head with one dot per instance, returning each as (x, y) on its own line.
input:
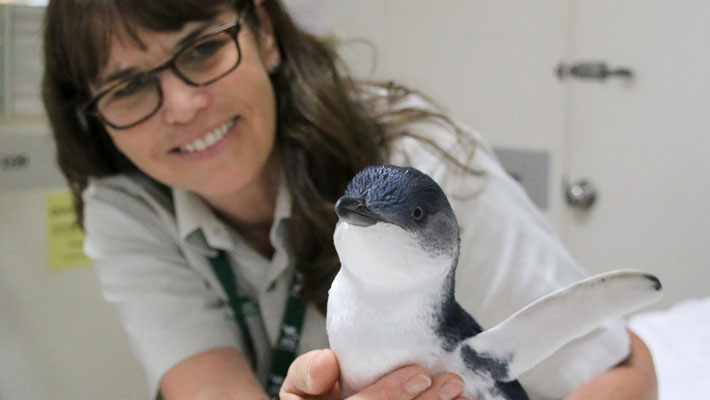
(399, 217)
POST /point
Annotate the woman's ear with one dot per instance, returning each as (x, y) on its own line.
(269, 47)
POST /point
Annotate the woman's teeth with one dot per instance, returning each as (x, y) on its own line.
(209, 139)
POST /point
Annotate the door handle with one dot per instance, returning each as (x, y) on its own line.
(580, 194)
(595, 70)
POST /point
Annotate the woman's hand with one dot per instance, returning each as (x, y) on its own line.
(634, 379)
(314, 376)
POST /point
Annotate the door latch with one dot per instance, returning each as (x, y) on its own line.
(595, 70)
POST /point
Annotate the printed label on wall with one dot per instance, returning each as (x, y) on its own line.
(28, 159)
(64, 237)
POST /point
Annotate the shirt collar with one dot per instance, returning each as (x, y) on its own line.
(283, 201)
(199, 225)
(282, 213)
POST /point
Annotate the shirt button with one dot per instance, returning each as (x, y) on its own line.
(271, 287)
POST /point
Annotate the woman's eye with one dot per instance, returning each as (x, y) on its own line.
(418, 213)
(131, 87)
(205, 49)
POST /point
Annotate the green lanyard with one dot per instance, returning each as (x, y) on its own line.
(291, 325)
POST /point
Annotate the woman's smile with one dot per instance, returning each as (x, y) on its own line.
(209, 143)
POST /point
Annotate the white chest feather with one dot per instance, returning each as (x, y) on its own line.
(372, 336)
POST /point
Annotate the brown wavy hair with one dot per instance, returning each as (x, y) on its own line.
(327, 127)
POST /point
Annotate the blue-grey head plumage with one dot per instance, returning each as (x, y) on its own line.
(405, 197)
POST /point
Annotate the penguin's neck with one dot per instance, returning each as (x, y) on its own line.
(393, 300)
(380, 292)
(389, 287)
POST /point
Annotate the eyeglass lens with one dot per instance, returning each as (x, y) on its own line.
(203, 62)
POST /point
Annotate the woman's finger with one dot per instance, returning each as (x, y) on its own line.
(403, 384)
(312, 374)
(445, 386)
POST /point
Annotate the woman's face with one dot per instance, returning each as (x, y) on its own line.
(242, 103)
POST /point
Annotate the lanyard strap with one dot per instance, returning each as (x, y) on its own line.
(291, 325)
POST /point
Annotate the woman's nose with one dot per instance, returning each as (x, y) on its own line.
(181, 101)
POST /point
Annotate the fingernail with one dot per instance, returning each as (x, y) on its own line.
(451, 389)
(417, 384)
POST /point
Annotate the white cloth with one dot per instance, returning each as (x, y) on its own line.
(150, 248)
(679, 341)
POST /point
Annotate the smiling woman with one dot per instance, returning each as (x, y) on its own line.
(206, 143)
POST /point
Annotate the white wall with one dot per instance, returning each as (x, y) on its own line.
(59, 339)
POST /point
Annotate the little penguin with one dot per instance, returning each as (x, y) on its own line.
(392, 302)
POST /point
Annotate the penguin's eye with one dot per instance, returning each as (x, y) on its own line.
(417, 214)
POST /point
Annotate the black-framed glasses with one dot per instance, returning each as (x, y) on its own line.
(204, 61)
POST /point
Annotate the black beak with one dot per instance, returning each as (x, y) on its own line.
(354, 211)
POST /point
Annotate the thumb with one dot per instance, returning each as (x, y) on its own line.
(311, 374)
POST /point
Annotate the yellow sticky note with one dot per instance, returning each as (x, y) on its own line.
(64, 237)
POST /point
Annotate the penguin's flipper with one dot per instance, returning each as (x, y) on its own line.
(535, 332)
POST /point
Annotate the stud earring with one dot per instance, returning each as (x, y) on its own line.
(275, 66)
